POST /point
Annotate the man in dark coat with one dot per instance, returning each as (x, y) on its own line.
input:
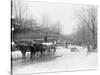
(88, 46)
(45, 37)
(66, 44)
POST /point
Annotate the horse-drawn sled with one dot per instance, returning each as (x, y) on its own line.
(44, 48)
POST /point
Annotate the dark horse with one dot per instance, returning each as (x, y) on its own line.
(23, 50)
(32, 48)
(36, 48)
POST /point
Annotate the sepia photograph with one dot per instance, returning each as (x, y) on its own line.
(51, 37)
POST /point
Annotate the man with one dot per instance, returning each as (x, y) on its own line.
(45, 37)
(66, 44)
(88, 46)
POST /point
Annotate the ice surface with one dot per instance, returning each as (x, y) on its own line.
(63, 60)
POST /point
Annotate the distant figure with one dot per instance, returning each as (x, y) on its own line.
(66, 44)
(45, 37)
(88, 46)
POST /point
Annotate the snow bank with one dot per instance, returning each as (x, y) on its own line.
(18, 55)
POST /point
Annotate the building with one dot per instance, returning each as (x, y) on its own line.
(29, 33)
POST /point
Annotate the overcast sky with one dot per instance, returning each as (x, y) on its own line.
(56, 12)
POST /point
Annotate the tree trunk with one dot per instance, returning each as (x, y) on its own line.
(94, 40)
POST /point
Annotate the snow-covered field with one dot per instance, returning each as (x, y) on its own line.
(63, 60)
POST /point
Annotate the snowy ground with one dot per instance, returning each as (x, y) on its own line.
(63, 60)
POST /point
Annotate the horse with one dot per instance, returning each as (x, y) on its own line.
(23, 50)
(37, 47)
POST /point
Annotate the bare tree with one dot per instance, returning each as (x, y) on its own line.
(56, 27)
(19, 11)
(46, 22)
(88, 17)
(82, 34)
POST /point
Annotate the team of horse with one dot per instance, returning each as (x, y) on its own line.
(36, 48)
